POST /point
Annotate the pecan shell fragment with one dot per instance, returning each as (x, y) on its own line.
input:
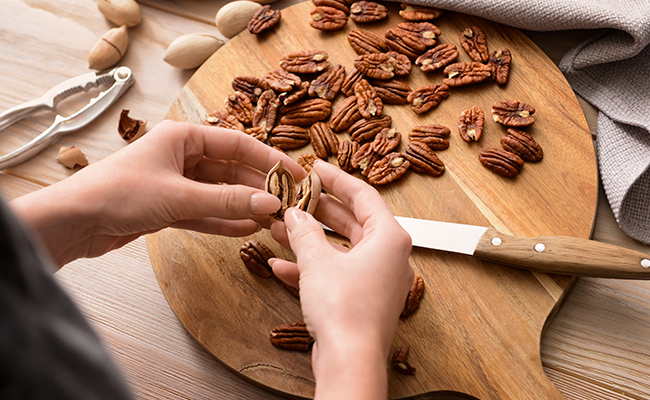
(473, 41)
(513, 113)
(470, 124)
(502, 162)
(255, 256)
(523, 145)
(265, 18)
(294, 336)
(281, 184)
(427, 97)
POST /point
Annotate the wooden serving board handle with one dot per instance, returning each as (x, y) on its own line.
(563, 255)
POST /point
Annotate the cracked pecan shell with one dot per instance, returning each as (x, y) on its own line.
(368, 102)
(294, 336)
(255, 256)
(281, 80)
(522, 144)
(502, 162)
(435, 136)
(423, 159)
(364, 42)
(287, 137)
(306, 112)
(323, 140)
(427, 97)
(414, 297)
(475, 44)
(327, 18)
(223, 119)
(383, 65)
(239, 105)
(470, 124)
(251, 86)
(513, 113)
(463, 74)
(418, 13)
(366, 129)
(328, 84)
(265, 18)
(345, 114)
(437, 57)
(367, 11)
(500, 62)
(351, 79)
(266, 111)
(391, 91)
(386, 141)
(388, 169)
(305, 62)
(347, 148)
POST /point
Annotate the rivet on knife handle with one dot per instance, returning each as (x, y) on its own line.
(564, 255)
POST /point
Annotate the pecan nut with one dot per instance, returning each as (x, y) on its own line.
(463, 74)
(239, 105)
(257, 132)
(347, 148)
(327, 18)
(251, 86)
(305, 62)
(367, 129)
(293, 336)
(425, 32)
(423, 159)
(435, 136)
(437, 57)
(328, 84)
(346, 114)
(309, 193)
(351, 79)
(522, 144)
(369, 103)
(418, 13)
(265, 18)
(386, 141)
(502, 162)
(255, 256)
(281, 80)
(513, 113)
(475, 44)
(399, 360)
(364, 42)
(223, 119)
(470, 124)
(266, 111)
(383, 65)
(500, 62)
(306, 112)
(281, 184)
(412, 38)
(414, 297)
(367, 11)
(323, 140)
(287, 98)
(338, 4)
(391, 91)
(287, 137)
(427, 97)
(364, 158)
(307, 161)
(390, 168)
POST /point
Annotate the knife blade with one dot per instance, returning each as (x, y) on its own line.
(565, 255)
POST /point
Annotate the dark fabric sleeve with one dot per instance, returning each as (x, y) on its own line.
(47, 348)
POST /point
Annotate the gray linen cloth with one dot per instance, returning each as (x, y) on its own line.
(610, 70)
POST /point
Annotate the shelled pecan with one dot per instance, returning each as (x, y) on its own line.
(502, 162)
(475, 44)
(364, 158)
(367, 11)
(328, 84)
(366, 129)
(523, 145)
(399, 360)
(388, 169)
(368, 102)
(463, 74)
(327, 18)
(414, 297)
(251, 86)
(347, 148)
(437, 57)
(239, 105)
(306, 112)
(257, 132)
(500, 62)
(418, 13)
(281, 80)
(338, 4)
(391, 91)
(294, 336)
(255, 256)
(346, 114)
(386, 141)
(323, 140)
(306, 161)
(470, 124)
(427, 97)
(288, 98)
(266, 111)
(412, 38)
(223, 119)
(513, 113)
(305, 62)
(423, 159)
(435, 136)
(365, 42)
(265, 18)
(351, 79)
(383, 65)
(287, 137)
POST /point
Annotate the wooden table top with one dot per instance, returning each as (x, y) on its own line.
(593, 349)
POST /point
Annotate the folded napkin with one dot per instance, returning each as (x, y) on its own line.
(610, 70)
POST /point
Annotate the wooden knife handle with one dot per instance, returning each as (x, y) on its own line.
(563, 255)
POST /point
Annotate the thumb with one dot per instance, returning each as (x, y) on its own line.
(305, 234)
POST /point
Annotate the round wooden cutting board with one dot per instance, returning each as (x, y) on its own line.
(479, 325)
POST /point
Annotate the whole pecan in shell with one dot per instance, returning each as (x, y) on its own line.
(383, 65)
(463, 74)
(251, 86)
(255, 256)
(239, 105)
(345, 114)
(364, 42)
(473, 41)
(223, 119)
(347, 148)
(391, 91)
(414, 297)
(266, 111)
(399, 360)
(427, 97)
(306, 112)
(281, 80)
(305, 62)
(287, 137)
(513, 113)
(367, 11)
(423, 159)
(338, 4)
(386, 141)
(265, 18)
(470, 124)
(435, 136)
(293, 336)
(369, 103)
(418, 13)
(287, 98)
(351, 79)
(366, 129)
(327, 18)
(500, 62)
(390, 168)
(328, 84)
(437, 57)
(502, 162)
(323, 140)
(364, 158)
(523, 145)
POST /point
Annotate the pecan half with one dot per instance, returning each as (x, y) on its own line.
(470, 124)
(265, 18)
(251, 86)
(338, 4)
(287, 137)
(292, 290)
(347, 88)
(435, 136)
(513, 113)
(257, 132)
(239, 105)
(426, 32)
(367, 11)
(522, 144)
(346, 114)
(367, 129)
(502, 162)
(427, 97)
(266, 111)
(364, 42)
(306, 161)
(293, 336)
(281, 80)
(323, 140)
(305, 62)
(399, 360)
(306, 112)
(390, 168)
(473, 41)
(255, 256)
(364, 158)
(347, 148)
(383, 65)
(414, 297)
(281, 184)
(287, 98)
(370, 105)
(223, 119)
(386, 141)
(418, 13)
(437, 57)
(327, 18)
(412, 38)
(423, 159)
(500, 62)
(463, 74)
(328, 84)
(391, 91)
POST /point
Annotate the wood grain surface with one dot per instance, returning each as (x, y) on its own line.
(479, 326)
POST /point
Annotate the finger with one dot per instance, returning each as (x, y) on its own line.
(287, 271)
(217, 226)
(306, 236)
(279, 233)
(338, 217)
(210, 170)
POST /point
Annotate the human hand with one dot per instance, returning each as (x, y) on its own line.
(166, 178)
(351, 299)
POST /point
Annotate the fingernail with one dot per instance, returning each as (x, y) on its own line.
(259, 227)
(271, 261)
(293, 217)
(264, 203)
